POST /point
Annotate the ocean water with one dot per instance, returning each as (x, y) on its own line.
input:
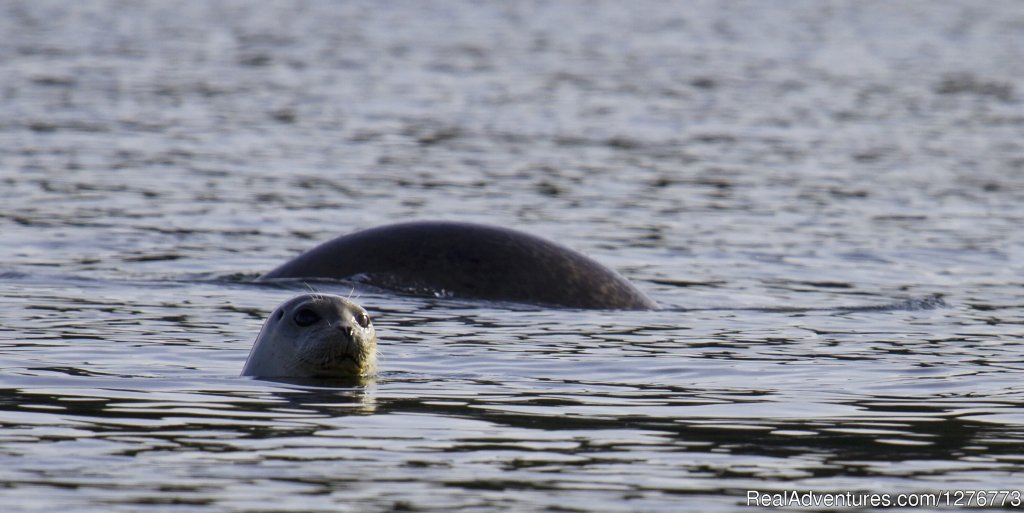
(825, 196)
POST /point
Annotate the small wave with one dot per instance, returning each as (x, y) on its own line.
(912, 304)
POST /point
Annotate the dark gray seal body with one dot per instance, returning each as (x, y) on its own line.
(471, 261)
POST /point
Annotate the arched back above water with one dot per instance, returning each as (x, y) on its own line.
(764, 170)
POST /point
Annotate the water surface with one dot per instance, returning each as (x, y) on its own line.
(759, 169)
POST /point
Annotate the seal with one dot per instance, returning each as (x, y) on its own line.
(470, 261)
(314, 336)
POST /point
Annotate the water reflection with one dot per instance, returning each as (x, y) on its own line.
(567, 423)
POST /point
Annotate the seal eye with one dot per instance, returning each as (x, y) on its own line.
(363, 319)
(305, 317)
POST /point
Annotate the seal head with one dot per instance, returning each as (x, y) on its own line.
(314, 336)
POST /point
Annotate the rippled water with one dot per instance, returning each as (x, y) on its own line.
(758, 168)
